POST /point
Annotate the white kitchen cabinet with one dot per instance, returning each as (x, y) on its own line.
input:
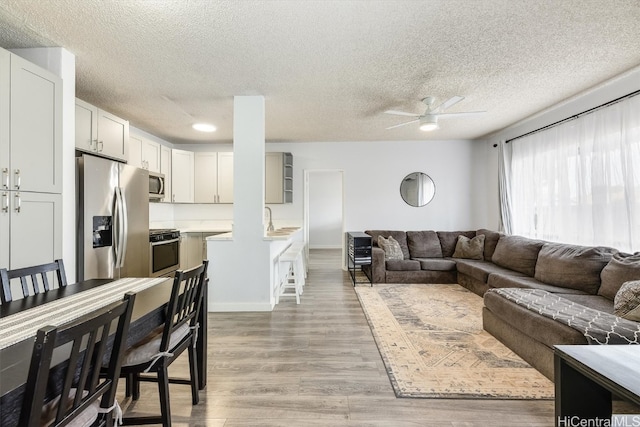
(144, 153)
(100, 132)
(30, 126)
(165, 169)
(213, 174)
(182, 178)
(34, 223)
(278, 178)
(30, 163)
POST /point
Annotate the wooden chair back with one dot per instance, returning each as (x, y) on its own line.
(33, 280)
(85, 346)
(185, 302)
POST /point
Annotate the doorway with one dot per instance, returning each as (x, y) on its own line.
(324, 209)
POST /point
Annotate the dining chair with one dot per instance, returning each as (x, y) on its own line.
(33, 280)
(73, 392)
(158, 350)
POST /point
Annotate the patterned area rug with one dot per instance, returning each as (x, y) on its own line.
(433, 345)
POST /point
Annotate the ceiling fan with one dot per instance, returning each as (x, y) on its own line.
(429, 119)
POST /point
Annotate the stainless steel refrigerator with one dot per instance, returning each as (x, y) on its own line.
(113, 219)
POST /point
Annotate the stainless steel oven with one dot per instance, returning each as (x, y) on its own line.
(165, 252)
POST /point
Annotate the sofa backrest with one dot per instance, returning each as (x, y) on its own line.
(448, 240)
(517, 253)
(400, 236)
(424, 244)
(572, 266)
(490, 241)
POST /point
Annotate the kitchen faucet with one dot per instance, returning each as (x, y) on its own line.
(270, 226)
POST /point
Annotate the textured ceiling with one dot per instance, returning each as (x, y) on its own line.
(328, 69)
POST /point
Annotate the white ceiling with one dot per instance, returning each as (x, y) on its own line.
(328, 69)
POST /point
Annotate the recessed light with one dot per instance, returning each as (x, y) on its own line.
(204, 127)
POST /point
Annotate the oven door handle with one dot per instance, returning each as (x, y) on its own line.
(164, 242)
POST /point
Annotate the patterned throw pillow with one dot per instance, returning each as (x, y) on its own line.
(470, 248)
(627, 301)
(391, 247)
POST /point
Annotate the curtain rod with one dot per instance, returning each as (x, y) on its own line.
(575, 116)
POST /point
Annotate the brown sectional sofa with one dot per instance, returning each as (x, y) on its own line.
(588, 276)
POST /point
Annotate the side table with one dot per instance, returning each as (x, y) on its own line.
(358, 254)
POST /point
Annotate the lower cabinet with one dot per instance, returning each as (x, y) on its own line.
(193, 248)
(31, 228)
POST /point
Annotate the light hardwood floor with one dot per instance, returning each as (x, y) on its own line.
(315, 364)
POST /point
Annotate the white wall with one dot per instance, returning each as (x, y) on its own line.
(373, 172)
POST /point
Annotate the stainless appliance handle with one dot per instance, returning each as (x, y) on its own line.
(161, 186)
(125, 228)
(116, 228)
(164, 242)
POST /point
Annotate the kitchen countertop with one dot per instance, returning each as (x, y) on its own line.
(283, 233)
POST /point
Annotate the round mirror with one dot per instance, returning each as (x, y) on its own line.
(417, 189)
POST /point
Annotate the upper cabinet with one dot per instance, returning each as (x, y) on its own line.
(278, 181)
(30, 126)
(100, 132)
(144, 153)
(213, 173)
(182, 182)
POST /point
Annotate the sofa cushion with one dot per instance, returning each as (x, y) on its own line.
(490, 241)
(622, 268)
(517, 253)
(436, 264)
(400, 236)
(627, 301)
(470, 248)
(391, 247)
(424, 244)
(592, 301)
(519, 280)
(403, 265)
(479, 270)
(448, 240)
(572, 266)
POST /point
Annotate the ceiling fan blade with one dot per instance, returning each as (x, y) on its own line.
(461, 114)
(448, 103)
(402, 124)
(401, 113)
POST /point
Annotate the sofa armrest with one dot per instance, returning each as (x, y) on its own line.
(378, 266)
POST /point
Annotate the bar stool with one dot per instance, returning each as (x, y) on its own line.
(291, 272)
(301, 244)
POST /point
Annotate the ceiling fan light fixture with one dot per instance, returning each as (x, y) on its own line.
(204, 127)
(428, 123)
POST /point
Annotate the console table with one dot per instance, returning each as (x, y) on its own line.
(586, 376)
(358, 254)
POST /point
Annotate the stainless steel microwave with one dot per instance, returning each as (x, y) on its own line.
(156, 186)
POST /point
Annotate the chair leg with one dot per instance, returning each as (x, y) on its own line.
(127, 388)
(193, 368)
(163, 391)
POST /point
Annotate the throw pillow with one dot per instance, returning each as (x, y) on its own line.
(391, 247)
(470, 248)
(627, 301)
(622, 268)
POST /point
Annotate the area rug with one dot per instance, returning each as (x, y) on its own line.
(433, 345)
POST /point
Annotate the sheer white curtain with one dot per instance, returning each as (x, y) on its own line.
(579, 182)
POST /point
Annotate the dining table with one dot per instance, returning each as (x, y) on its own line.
(20, 319)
